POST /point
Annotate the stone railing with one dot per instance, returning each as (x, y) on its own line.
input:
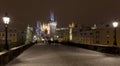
(101, 48)
(6, 56)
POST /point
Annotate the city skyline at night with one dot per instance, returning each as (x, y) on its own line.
(83, 12)
(59, 32)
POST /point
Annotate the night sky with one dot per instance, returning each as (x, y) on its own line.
(24, 12)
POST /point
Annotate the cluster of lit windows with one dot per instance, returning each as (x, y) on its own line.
(10, 34)
(12, 30)
(2, 34)
(97, 32)
(86, 34)
(108, 36)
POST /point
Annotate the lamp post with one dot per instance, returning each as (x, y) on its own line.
(6, 21)
(115, 25)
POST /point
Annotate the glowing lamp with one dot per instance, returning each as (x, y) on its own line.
(115, 24)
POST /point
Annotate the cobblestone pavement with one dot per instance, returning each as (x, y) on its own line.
(60, 55)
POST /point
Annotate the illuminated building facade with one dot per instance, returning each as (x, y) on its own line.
(47, 29)
(12, 36)
(63, 34)
(102, 35)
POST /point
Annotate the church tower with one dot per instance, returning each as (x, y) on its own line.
(52, 24)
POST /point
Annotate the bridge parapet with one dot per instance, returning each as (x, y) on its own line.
(101, 48)
(7, 56)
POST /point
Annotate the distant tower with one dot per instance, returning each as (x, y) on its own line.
(38, 28)
(52, 16)
(52, 24)
(38, 24)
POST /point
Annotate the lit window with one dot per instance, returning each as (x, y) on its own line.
(97, 37)
(91, 33)
(3, 34)
(81, 30)
(13, 34)
(107, 25)
(15, 30)
(97, 42)
(10, 30)
(107, 31)
(107, 42)
(81, 34)
(108, 36)
(10, 34)
(84, 33)
(97, 32)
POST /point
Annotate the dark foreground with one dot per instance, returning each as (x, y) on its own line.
(60, 55)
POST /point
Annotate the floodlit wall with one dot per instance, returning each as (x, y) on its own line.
(101, 36)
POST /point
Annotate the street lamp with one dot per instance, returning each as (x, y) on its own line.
(6, 21)
(115, 25)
